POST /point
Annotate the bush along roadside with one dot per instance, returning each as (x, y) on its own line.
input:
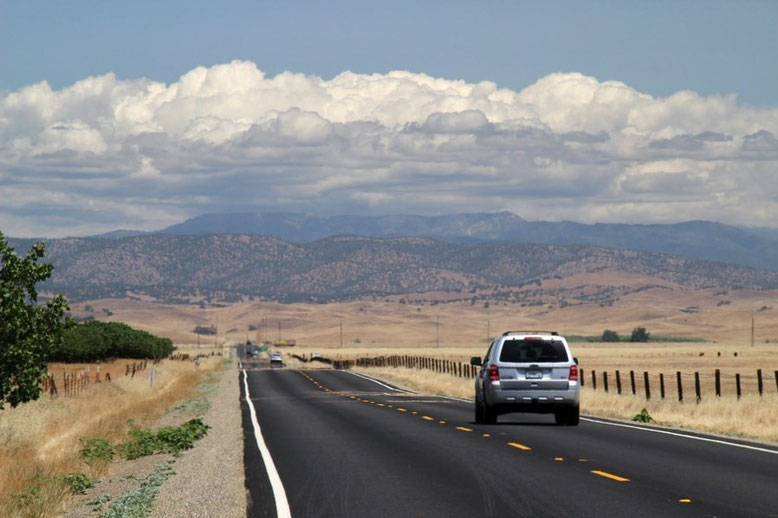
(170, 439)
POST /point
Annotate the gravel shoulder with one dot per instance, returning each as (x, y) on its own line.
(209, 479)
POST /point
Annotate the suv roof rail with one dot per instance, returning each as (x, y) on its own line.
(533, 332)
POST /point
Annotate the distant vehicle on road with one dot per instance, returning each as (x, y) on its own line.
(528, 371)
(276, 359)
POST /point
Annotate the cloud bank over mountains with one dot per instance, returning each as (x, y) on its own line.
(106, 153)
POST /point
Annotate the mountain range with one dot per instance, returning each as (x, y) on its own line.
(755, 247)
(228, 267)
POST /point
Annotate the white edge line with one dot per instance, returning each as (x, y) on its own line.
(377, 382)
(279, 495)
(677, 434)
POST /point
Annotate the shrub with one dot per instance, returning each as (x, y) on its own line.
(639, 334)
(643, 417)
(78, 483)
(96, 450)
(170, 439)
(610, 336)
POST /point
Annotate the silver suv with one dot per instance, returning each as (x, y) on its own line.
(527, 371)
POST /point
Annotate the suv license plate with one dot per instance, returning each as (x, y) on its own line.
(534, 375)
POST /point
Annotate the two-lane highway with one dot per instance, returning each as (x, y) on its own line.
(339, 444)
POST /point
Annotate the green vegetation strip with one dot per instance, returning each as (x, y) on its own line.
(139, 503)
(170, 439)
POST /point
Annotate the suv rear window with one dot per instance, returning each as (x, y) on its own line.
(533, 351)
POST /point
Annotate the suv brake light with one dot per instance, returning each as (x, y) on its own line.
(573, 373)
(494, 373)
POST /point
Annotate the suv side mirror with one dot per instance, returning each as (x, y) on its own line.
(475, 360)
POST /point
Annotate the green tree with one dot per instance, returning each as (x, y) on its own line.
(610, 336)
(28, 331)
(639, 334)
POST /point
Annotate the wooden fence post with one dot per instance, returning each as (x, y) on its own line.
(759, 384)
(594, 379)
(605, 380)
(680, 385)
(581, 376)
(737, 384)
(697, 386)
(661, 385)
(718, 382)
(648, 387)
(618, 382)
(632, 380)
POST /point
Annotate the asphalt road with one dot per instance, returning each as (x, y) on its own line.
(343, 445)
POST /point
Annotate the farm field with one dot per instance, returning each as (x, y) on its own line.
(722, 317)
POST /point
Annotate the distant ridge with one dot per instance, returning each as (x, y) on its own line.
(705, 240)
(227, 267)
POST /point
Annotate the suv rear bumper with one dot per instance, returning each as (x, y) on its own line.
(536, 401)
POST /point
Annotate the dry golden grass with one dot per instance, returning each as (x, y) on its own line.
(41, 439)
(750, 417)
(664, 309)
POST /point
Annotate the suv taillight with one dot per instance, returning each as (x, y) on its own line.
(573, 373)
(494, 373)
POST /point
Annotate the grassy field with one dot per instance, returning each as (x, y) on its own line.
(40, 440)
(720, 316)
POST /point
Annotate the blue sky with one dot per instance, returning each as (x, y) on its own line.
(657, 47)
(142, 114)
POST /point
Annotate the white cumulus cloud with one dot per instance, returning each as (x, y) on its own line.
(229, 138)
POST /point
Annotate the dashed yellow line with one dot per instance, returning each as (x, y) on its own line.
(401, 410)
(559, 459)
(685, 501)
(519, 446)
(428, 418)
(486, 435)
(442, 422)
(381, 404)
(610, 475)
(464, 429)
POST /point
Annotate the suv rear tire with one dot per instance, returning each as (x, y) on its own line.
(568, 416)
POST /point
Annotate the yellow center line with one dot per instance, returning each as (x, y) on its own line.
(519, 446)
(428, 418)
(685, 501)
(381, 404)
(401, 410)
(487, 435)
(442, 422)
(464, 429)
(610, 476)
(559, 459)
(414, 412)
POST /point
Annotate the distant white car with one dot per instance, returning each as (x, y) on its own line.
(277, 359)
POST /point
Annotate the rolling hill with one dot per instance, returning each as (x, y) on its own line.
(229, 267)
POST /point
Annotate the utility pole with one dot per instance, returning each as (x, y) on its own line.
(437, 331)
(752, 330)
(488, 335)
(341, 334)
